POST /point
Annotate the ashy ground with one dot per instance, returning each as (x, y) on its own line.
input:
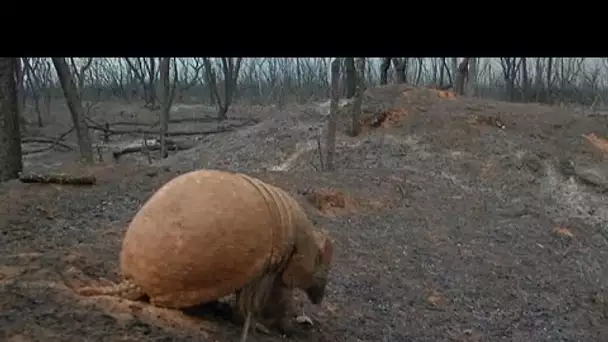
(454, 219)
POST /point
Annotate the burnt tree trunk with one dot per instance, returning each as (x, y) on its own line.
(454, 71)
(386, 64)
(151, 81)
(461, 76)
(400, 65)
(231, 68)
(75, 105)
(524, 80)
(351, 76)
(20, 90)
(19, 81)
(549, 88)
(164, 114)
(538, 81)
(472, 76)
(441, 72)
(330, 143)
(11, 163)
(450, 79)
(358, 97)
(34, 88)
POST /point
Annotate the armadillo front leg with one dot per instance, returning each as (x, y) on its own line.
(249, 321)
(246, 327)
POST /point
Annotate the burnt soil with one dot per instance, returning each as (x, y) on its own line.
(453, 228)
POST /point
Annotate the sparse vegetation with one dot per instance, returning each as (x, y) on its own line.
(10, 140)
(470, 191)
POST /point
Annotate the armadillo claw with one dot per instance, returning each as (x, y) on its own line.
(262, 328)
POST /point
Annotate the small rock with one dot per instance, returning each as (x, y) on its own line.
(567, 167)
(592, 178)
(533, 163)
(563, 232)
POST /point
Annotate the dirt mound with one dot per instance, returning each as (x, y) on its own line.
(388, 106)
(331, 202)
(384, 119)
(463, 204)
(386, 93)
(415, 94)
(126, 311)
(488, 120)
(406, 94)
(598, 142)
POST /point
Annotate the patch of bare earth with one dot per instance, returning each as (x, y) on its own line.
(453, 219)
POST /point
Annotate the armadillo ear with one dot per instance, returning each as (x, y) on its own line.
(327, 250)
(325, 246)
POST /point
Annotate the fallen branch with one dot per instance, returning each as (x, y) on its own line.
(169, 134)
(228, 128)
(58, 179)
(144, 148)
(131, 123)
(172, 121)
(46, 141)
(202, 119)
(320, 152)
(147, 147)
(53, 142)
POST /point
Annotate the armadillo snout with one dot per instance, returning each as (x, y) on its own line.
(316, 292)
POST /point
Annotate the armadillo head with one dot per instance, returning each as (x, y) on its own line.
(309, 266)
(316, 290)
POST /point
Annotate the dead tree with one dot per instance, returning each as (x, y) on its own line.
(80, 74)
(386, 64)
(33, 83)
(330, 143)
(138, 68)
(62, 179)
(231, 68)
(400, 65)
(461, 76)
(356, 129)
(454, 71)
(19, 71)
(75, 105)
(151, 68)
(46, 84)
(472, 77)
(524, 80)
(444, 68)
(168, 96)
(164, 115)
(441, 72)
(420, 68)
(11, 163)
(351, 76)
(510, 67)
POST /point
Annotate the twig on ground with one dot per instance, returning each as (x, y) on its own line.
(146, 148)
(227, 128)
(312, 163)
(320, 151)
(53, 142)
(58, 179)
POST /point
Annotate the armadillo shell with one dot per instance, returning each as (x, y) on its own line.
(202, 236)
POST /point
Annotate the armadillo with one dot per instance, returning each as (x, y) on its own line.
(206, 234)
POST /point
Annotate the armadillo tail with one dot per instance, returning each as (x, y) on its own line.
(125, 289)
